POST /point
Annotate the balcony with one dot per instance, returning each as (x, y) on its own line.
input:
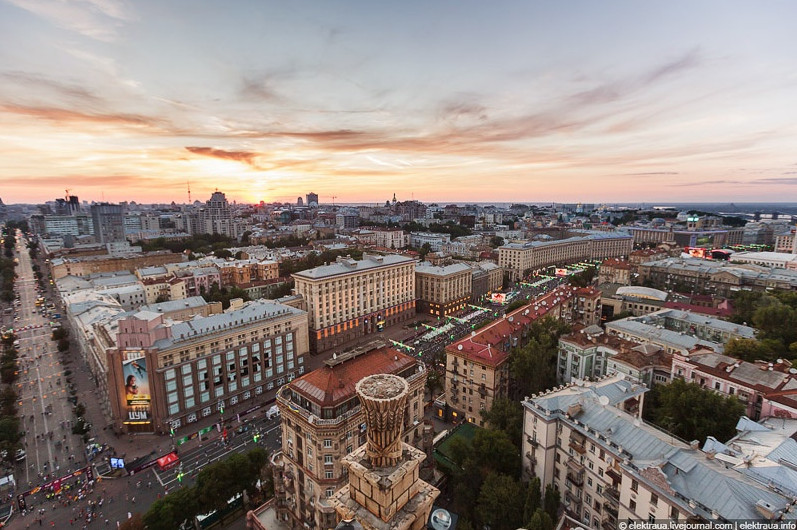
(612, 496)
(532, 441)
(573, 500)
(577, 447)
(576, 478)
(532, 458)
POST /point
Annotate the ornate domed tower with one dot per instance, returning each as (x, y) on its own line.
(384, 489)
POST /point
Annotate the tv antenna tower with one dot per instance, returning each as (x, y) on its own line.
(188, 182)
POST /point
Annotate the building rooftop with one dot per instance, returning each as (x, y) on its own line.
(348, 265)
(331, 385)
(636, 291)
(536, 244)
(653, 333)
(444, 270)
(491, 344)
(199, 326)
(175, 305)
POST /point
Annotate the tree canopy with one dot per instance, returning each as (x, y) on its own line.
(533, 366)
(692, 412)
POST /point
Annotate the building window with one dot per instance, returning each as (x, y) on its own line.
(330, 492)
(329, 474)
(634, 486)
(328, 460)
(654, 499)
(632, 506)
(327, 443)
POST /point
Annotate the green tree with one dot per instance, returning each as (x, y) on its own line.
(533, 498)
(533, 366)
(507, 416)
(540, 520)
(496, 241)
(500, 503)
(777, 322)
(134, 523)
(691, 412)
(494, 451)
(551, 502)
(750, 350)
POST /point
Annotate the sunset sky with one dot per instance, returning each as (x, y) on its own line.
(594, 101)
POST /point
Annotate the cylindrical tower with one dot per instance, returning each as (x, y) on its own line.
(383, 397)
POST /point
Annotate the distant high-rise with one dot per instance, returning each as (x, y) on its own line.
(312, 199)
(108, 222)
(299, 201)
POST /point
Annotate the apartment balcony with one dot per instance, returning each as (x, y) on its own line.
(608, 522)
(577, 446)
(573, 500)
(532, 441)
(576, 478)
(612, 496)
(532, 458)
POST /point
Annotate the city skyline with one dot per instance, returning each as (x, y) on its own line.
(450, 101)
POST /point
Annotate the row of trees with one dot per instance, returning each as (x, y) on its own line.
(774, 314)
(215, 485)
(10, 434)
(197, 243)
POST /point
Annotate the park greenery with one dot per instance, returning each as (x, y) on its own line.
(451, 228)
(533, 365)
(774, 315)
(288, 267)
(488, 490)
(214, 486)
(692, 412)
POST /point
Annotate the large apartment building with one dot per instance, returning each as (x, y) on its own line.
(590, 443)
(164, 375)
(517, 259)
(442, 290)
(349, 299)
(322, 421)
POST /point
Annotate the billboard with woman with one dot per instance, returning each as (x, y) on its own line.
(137, 393)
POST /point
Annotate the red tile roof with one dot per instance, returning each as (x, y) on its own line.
(329, 386)
(487, 345)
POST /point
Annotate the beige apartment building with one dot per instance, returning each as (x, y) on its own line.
(442, 290)
(615, 270)
(518, 259)
(322, 421)
(165, 375)
(349, 299)
(590, 443)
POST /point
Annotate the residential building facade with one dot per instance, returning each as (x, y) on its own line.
(164, 375)
(349, 299)
(589, 442)
(517, 259)
(322, 421)
(442, 290)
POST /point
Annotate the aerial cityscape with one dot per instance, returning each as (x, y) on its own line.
(351, 265)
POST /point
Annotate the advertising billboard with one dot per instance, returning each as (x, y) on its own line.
(562, 272)
(137, 393)
(498, 298)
